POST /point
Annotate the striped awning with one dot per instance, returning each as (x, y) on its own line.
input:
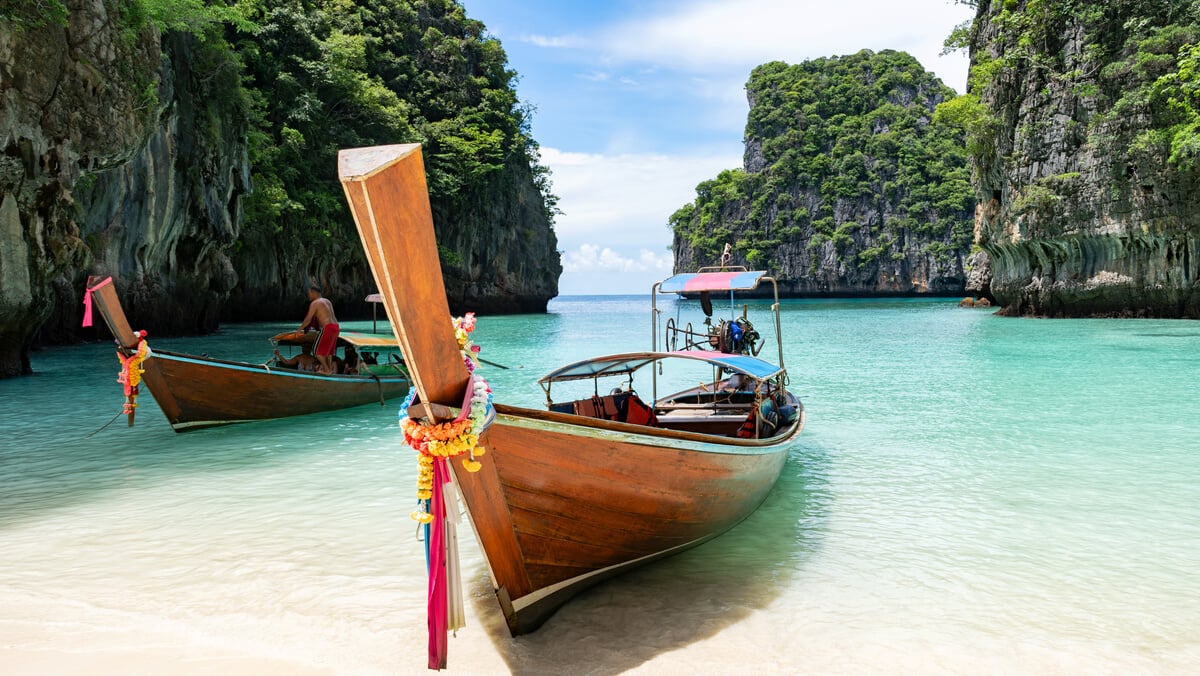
(619, 364)
(691, 282)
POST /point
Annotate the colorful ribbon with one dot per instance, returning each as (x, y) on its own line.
(437, 610)
(87, 301)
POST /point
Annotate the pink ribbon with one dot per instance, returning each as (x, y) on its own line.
(437, 612)
(87, 301)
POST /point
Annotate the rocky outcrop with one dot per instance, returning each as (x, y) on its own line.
(499, 255)
(116, 163)
(164, 221)
(849, 188)
(1084, 209)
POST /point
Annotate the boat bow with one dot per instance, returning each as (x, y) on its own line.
(388, 197)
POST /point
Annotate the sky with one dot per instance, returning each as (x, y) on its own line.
(636, 103)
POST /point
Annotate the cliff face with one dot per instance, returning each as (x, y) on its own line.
(164, 220)
(64, 117)
(848, 188)
(1089, 204)
(348, 74)
(499, 255)
(108, 172)
(502, 253)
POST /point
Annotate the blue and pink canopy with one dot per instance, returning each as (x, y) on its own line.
(620, 364)
(694, 282)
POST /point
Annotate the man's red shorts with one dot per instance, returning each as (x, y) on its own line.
(327, 340)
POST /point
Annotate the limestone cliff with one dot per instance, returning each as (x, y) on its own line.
(849, 186)
(500, 254)
(1090, 203)
(81, 103)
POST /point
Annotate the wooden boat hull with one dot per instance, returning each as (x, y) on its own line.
(559, 506)
(561, 501)
(197, 392)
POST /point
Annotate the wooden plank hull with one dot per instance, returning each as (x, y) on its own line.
(196, 392)
(559, 506)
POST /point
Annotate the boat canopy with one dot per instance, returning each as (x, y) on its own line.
(372, 340)
(355, 338)
(620, 364)
(692, 282)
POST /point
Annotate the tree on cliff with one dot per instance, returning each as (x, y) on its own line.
(329, 74)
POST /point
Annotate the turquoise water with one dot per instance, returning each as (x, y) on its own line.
(972, 494)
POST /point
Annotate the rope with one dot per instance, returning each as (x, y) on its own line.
(379, 385)
(118, 415)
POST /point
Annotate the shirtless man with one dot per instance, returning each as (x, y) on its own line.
(320, 316)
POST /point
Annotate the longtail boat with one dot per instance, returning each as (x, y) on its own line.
(597, 483)
(197, 391)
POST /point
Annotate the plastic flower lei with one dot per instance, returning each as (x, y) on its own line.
(463, 326)
(453, 438)
(131, 373)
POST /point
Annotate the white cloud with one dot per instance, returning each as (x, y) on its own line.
(623, 200)
(596, 269)
(552, 41)
(613, 230)
(616, 202)
(733, 36)
(595, 258)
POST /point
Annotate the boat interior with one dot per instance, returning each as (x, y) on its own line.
(732, 407)
(373, 354)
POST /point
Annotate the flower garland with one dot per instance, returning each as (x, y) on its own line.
(452, 438)
(131, 373)
(463, 326)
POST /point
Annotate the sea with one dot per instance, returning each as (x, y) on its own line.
(971, 494)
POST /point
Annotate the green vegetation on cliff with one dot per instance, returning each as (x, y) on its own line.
(321, 75)
(839, 151)
(1084, 124)
(1131, 65)
(302, 79)
(188, 149)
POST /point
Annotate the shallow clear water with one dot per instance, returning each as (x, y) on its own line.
(971, 494)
